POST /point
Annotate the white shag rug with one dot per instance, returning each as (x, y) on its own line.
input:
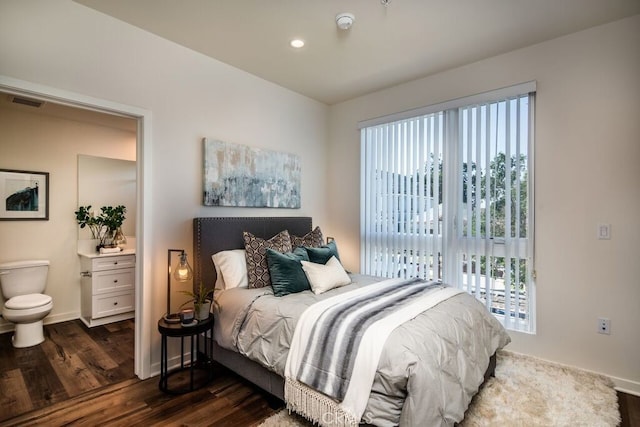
(527, 392)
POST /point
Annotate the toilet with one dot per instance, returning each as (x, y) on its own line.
(22, 284)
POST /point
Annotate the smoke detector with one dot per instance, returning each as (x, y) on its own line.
(344, 21)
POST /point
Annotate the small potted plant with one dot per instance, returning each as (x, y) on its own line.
(201, 301)
(104, 226)
(113, 217)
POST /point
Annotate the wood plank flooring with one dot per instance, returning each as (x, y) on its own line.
(84, 377)
(629, 406)
(72, 360)
(226, 401)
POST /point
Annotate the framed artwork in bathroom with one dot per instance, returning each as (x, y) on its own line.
(24, 195)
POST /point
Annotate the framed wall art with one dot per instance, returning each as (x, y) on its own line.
(25, 195)
(238, 175)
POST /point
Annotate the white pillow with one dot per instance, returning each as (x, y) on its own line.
(323, 277)
(231, 269)
(219, 278)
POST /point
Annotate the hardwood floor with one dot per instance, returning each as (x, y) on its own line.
(226, 401)
(629, 406)
(72, 360)
(85, 377)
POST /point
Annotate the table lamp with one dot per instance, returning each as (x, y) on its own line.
(182, 273)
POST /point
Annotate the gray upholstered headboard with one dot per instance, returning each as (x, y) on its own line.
(211, 235)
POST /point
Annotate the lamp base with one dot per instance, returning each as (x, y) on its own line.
(172, 318)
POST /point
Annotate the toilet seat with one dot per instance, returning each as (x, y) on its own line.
(23, 302)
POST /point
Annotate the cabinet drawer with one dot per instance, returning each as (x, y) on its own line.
(113, 262)
(113, 280)
(110, 304)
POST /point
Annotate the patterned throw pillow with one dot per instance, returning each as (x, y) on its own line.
(312, 239)
(256, 248)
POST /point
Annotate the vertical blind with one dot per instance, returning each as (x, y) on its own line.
(448, 196)
(402, 198)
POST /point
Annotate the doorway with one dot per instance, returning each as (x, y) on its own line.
(143, 167)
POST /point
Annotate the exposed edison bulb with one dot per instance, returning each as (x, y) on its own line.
(183, 272)
(297, 43)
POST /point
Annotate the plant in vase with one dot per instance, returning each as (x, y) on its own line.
(201, 301)
(104, 226)
(113, 219)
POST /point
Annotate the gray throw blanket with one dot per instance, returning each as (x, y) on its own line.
(339, 331)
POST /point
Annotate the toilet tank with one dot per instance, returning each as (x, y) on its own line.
(23, 277)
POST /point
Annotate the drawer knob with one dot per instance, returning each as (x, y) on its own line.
(115, 303)
(115, 281)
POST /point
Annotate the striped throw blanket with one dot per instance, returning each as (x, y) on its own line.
(337, 345)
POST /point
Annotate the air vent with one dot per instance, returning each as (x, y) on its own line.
(27, 101)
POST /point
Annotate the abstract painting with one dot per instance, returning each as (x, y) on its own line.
(238, 175)
(25, 195)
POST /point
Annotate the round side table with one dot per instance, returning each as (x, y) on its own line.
(177, 330)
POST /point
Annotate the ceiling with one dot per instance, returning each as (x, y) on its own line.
(387, 45)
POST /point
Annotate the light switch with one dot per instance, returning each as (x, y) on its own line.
(604, 231)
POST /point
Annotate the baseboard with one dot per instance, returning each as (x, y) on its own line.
(61, 317)
(55, 318)
(626, 386)
(90, 323)
(173, 362)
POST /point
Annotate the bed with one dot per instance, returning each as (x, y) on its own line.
(253, 352)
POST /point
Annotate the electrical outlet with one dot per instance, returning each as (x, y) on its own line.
(604, 326)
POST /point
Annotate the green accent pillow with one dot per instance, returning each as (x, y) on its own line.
(324, 253)
(285, 269)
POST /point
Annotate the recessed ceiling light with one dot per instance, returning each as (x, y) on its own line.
(297, 43)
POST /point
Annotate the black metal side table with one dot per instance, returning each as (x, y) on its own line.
(180, 331)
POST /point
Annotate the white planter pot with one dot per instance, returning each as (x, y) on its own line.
(203, 311)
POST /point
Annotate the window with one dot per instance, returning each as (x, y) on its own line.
(447, 194)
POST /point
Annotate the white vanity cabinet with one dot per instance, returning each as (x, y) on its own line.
(108, 288)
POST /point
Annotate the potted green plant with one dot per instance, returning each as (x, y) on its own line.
(201, 300)
(113, 218)
(105, 225)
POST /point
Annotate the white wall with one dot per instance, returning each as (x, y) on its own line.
(587, 172)
(190, 96)
(44, 143)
